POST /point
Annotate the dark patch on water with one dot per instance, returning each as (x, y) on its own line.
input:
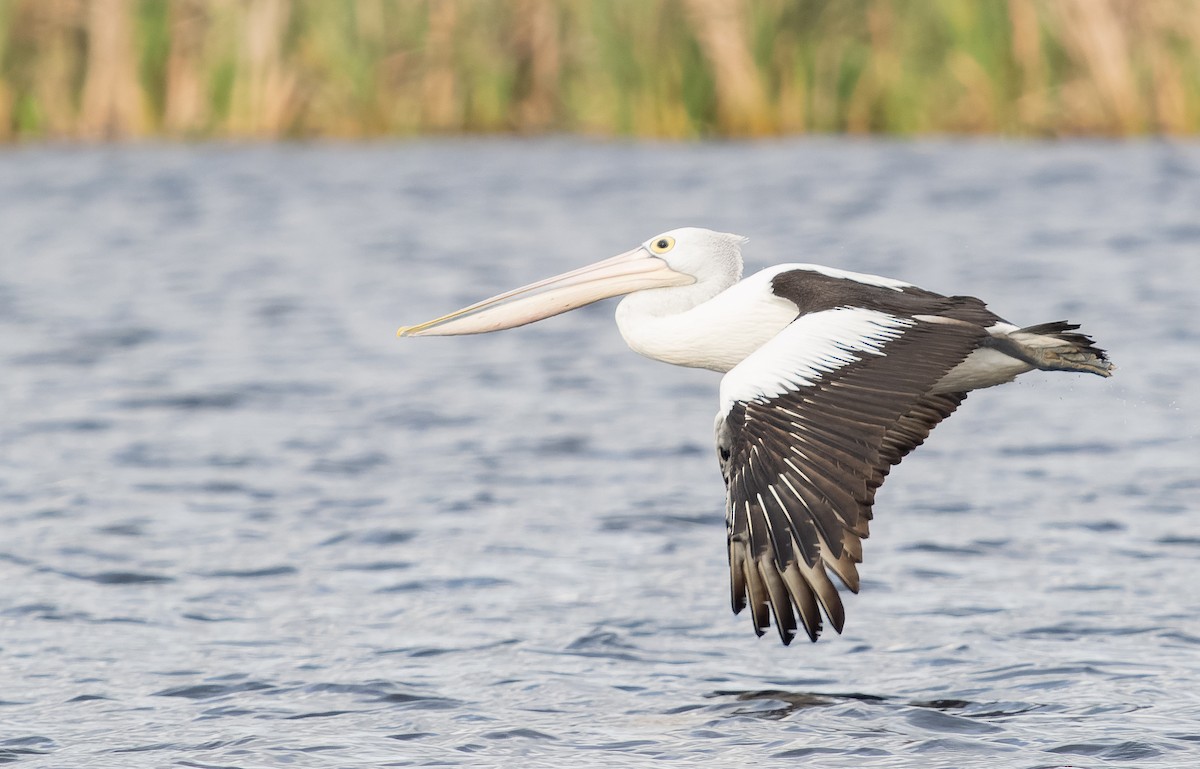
(196, 401)
(659, 522)
(125, 529)
(376, 566)
(321, 714)
(21, 748)
(1099, 527)
(1121, 751)
(1030, 450)
(38, 609)
(121, 578)
(269, 571)
(67, 426)
(451, 584)
(1074, 629)
(1175, 539)
(940, 549)
(418, 702)
(208, 618)
(568, 444)
(211, 691)
(207, 487)
(385, 537)
(934, 720)
(351, 465)
(411, 418)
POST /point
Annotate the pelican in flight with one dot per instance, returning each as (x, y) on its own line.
(830, 378)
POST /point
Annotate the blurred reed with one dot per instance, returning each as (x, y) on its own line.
(103, 69)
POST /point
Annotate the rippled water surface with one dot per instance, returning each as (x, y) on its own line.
(245, 526)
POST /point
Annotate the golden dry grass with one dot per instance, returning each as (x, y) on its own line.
(101, 69)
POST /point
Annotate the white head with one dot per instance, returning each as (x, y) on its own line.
(672, 271)
(703, 254)
(713, 259)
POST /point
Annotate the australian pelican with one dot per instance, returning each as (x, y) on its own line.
(831, 377)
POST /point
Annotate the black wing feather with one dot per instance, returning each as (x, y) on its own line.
(802, 468)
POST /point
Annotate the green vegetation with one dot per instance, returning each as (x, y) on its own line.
(99, 69)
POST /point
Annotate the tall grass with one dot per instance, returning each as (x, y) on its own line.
(99, 69)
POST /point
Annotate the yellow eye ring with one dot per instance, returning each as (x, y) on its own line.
(662, 244)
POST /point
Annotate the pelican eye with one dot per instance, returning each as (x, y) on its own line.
(663, 244)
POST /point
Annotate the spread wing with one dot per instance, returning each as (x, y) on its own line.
(810, 425)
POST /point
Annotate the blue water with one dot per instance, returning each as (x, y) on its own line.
(245, 526)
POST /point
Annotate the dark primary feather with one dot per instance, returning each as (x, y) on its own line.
(801, 470)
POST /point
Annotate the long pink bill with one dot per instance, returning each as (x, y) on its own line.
(631, 271)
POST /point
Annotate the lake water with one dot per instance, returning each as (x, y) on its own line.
(245, 526)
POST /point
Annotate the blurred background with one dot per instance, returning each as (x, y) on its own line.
(193, 69)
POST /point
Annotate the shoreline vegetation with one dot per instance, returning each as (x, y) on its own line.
(97, 70)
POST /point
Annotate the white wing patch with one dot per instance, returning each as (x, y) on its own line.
(809, 348)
